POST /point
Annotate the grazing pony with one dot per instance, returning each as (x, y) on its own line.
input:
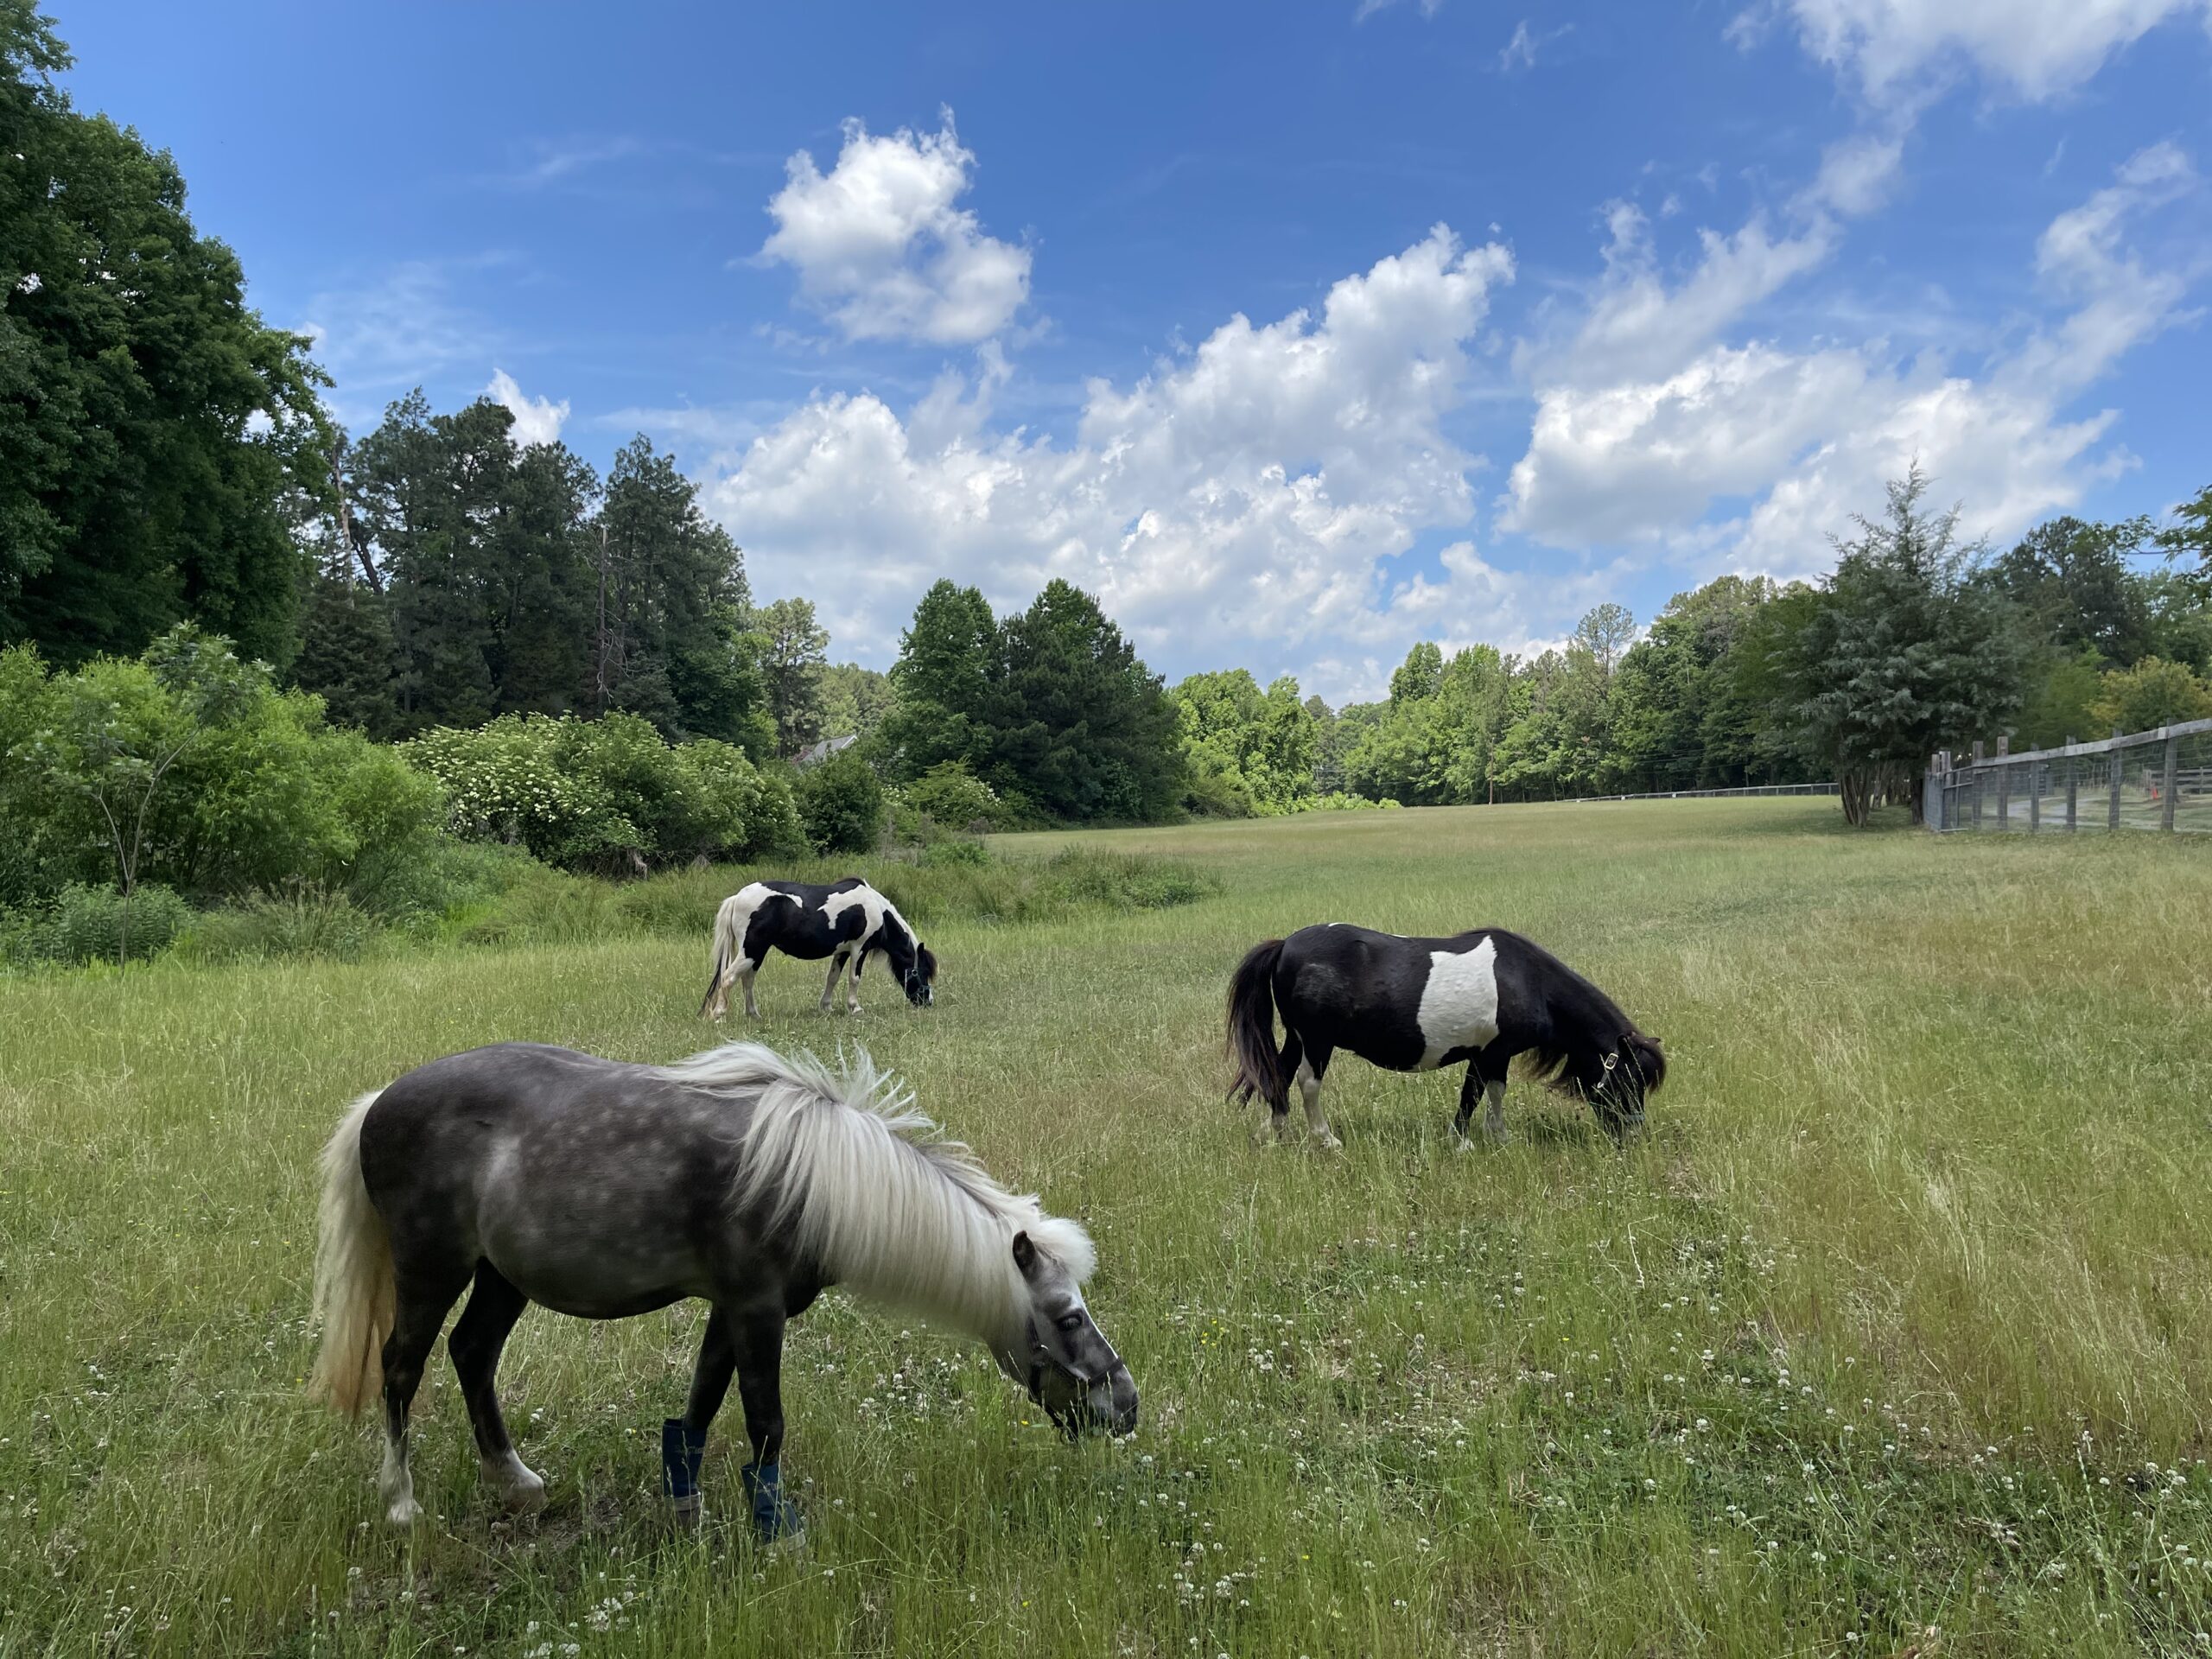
(843, 922)
(1414, 1005)
(604, 1190)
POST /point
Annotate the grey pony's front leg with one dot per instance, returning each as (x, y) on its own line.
(758, 1339)
(684, 1439)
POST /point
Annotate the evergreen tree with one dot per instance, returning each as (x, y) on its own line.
(669, 635)
(947, 660)
(489, 567)
(347, 656)
(1079, 725)
(1901, 654)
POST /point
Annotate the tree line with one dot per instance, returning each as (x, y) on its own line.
(166, 460)
(1915, 641)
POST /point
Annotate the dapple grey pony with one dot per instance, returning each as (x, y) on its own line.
(604, 1190)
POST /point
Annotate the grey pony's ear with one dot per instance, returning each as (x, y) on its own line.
(1025, 1255)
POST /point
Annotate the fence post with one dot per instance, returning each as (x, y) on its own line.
(2035, 795)
(2073, 771)
(2173, 766)
(2004, 783)
(2112, 812)
(1977, 783)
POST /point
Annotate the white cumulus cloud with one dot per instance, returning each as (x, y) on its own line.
(1253, 490)
(538, 420)
(1894, 49)
(1790, 442)
(882, 248)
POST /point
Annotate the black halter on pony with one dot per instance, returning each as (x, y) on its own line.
(1043, 1359)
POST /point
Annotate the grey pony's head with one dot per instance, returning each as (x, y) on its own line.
(1067, 1365)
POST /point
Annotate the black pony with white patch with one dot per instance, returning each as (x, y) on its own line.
(1415, 1005)
(845, 921)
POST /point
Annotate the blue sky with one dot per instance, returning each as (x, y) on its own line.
(1297, 334)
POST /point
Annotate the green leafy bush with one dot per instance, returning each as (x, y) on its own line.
(953, 796)
(952, 852)
(188, 767)
(1342, 802)
(840, 802)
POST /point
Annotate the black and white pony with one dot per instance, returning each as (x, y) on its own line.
(843, 922)
(603, 1190)
(1415, 1005)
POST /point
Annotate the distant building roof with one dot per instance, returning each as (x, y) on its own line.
(815, 754)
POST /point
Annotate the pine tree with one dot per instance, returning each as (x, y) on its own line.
(347, 656)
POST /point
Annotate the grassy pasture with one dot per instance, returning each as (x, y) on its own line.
(1899, 1322)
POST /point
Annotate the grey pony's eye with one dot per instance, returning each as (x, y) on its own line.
(1070, 1323)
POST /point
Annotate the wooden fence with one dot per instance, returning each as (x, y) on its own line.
(2159, 779)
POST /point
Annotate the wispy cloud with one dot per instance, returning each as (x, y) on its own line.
(1520, 53)
(563, 158)
(1369, 8)
(402, 327)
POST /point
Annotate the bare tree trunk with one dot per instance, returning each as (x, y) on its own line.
(600, 686)
(1854, 788)
(359, 543)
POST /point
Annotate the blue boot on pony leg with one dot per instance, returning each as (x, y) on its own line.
(776, 1519)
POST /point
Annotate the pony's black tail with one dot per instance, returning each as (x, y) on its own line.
(1252, 1029)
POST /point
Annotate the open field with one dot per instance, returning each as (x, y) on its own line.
(1900, 1318)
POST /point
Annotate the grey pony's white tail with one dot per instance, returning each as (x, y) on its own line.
(354, 1291)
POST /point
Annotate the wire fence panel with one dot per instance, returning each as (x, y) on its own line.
(2157, 780)
(1714, 794)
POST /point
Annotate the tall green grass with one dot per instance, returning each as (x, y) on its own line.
(953, 882)
(1899, 1320)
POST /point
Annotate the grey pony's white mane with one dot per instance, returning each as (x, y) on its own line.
(888, 1207)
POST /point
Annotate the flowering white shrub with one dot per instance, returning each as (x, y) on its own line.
(603, 792)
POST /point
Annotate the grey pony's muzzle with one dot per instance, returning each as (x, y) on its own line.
(1105, 1399)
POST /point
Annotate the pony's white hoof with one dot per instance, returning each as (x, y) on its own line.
(522, 1491)
(1328, 1142)
(1461, 1144)
(402, 1514)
